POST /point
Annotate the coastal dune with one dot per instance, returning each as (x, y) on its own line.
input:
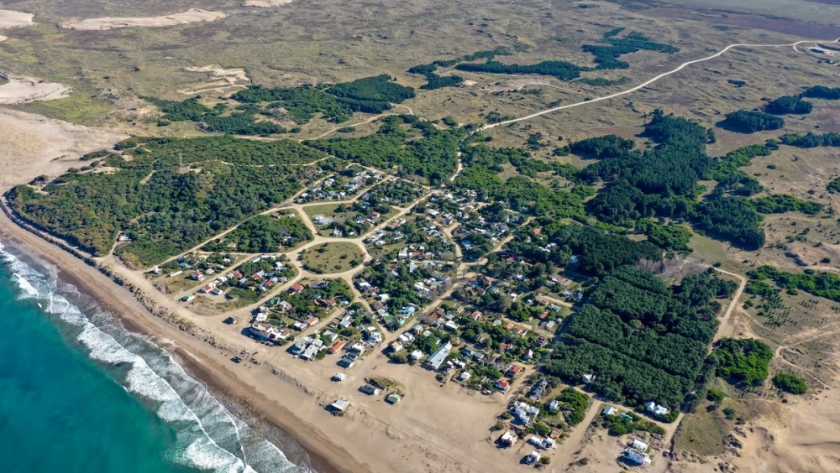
(192, 15)
(15, 19)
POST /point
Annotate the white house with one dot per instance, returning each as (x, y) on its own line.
(656, 409)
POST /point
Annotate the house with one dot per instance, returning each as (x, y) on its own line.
(336, 347)
(396, 346)
(513, 371)
(299, 346)
(345, 321)
(533, 457)
(436, 360)
(465, 376)
(508, 438)
(358, 348)
(370, 390)
(450, 326)
(609, 411)
(416, 355)
(639, 445)
(529, 355)
(553, 405)
(196, 276)
(588, 378)
(296, 288)
(312, 321)
(340, 405)
(502, 385)
(636, 456)
(656, 409)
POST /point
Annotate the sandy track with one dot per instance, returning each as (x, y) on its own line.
(192, 15)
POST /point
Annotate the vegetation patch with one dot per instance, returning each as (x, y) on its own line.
(820, 284)
(421, 151)
(751, 121)
(781, 203)
(789, 104)
(822, 92)
(643, 341)
(607, 56)
(329, 258)
(241, 121)
(742, 361)
(162, 207)
(790, 383)
(264, 234)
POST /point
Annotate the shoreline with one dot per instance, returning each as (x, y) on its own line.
(322, 455)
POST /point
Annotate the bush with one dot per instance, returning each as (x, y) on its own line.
(743, 360)
(790, 383)
(715, 396)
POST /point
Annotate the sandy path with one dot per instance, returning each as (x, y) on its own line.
(190, 16)
(24, 89)
(725, 328)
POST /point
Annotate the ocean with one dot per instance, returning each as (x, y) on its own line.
(79, 393)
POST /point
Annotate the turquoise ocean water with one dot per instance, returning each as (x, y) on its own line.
(78, 393)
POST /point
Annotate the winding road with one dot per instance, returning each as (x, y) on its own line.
(653, 80)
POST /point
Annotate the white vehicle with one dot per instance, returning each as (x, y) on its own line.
(338, 377)
(533, 457)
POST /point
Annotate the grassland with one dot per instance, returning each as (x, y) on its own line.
(331, 258)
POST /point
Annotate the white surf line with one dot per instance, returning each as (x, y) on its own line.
(651, 81)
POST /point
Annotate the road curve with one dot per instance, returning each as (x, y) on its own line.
(650, 81)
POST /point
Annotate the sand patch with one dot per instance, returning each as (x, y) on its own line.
(218, 79)
(192, 15)
(3, 39)
(265, 3)
(34, 145)
(22, 90)
(15, 19)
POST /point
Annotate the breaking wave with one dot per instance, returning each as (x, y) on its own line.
(208, 436)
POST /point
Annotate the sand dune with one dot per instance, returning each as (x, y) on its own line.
(15, 19)
(21, 90)
(34, 145)
(265, 3)
(190, 16)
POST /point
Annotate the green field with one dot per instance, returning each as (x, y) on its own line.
(330, 258)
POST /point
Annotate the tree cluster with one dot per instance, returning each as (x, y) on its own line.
(743, 361)
(751, 121)
(789, 104)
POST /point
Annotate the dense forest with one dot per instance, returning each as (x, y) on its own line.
(421, 151)
(750, 121)
(643, 341)
(163, 209)
(662, 181)
(240, 122)
(300, 103)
